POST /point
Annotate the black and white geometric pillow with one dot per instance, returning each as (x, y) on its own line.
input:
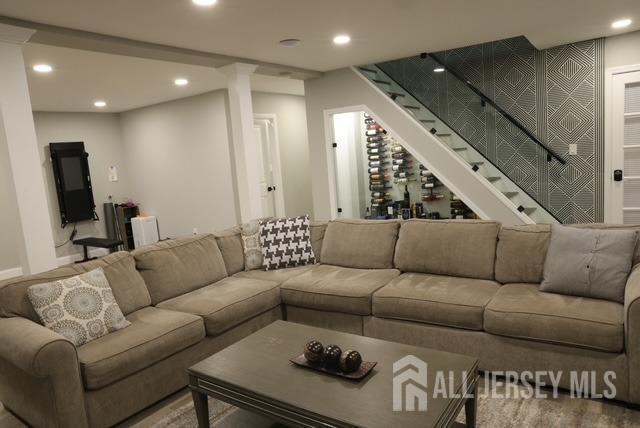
(286, 242)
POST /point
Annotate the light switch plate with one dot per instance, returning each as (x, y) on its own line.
(573, 149)
(113, 174)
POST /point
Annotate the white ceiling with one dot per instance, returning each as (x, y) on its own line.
(82, 77)
(381, 29)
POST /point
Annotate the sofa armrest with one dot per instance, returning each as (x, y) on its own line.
(632, 332)
(41, 375)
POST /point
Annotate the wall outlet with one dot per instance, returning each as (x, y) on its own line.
(113, 174)
(573, 149)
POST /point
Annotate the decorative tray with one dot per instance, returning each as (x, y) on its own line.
(364, 369)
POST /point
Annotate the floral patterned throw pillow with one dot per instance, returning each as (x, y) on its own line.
(251, 245)
(81, 308)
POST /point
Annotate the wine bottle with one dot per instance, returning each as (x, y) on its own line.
(407, 196)
(427, 185)
(379, 150)
(397, 149)
(402, 161)
(380, 195)
(426, 173)
(374, 157)
(378, 177)
(375, 139)
(378, 187)
(377, 163)
(375, 170)
(403, 180)
(374, 145)
(398, 155)
(380, 201)
(372, 132)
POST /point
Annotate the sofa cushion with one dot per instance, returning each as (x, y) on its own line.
(230, 244)
(318, 229)
(589, 263)
(434, 299)
(336, 288)
(521, 252)
(154, 334)
(523, 311)
(464, 248)
(228, 302)
(278, 275)
(362, 244)
(126, 283)
(177, 266)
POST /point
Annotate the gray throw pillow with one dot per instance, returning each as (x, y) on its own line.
(589, 262)
(251, 245)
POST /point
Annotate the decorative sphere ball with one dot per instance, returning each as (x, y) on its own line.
(331, 356)
(350, 361)
(313, 351)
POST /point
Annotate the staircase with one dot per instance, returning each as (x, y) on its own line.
(522, 203)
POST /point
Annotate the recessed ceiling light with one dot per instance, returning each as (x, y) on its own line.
(290, 43)
(42, 68)
(438, 70)
(342, 39)
(621, 23)
(205, 2)
(100, 104)
(181, 82)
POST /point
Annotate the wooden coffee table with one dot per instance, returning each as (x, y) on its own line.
(255, 374)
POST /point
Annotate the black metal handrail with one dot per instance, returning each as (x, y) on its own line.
(441, 119)
(500, 110)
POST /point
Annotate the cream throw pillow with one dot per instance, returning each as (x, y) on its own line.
(81, 308)
(251, 245)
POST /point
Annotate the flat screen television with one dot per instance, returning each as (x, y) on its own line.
(73, 182)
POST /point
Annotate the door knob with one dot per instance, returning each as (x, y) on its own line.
(271, 189)
(617, 175)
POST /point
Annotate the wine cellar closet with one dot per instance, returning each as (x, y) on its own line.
(377, 178)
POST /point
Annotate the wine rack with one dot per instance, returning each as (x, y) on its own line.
(400, 186)
(378, 168)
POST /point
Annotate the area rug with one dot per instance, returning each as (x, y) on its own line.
(515, 412)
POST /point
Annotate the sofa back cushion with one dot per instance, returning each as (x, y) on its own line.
(521, 253)
(128, 286)
(177, 266)
(362, 244)
(318, 229)
(230, 244)
(464, 248)
(522, 250)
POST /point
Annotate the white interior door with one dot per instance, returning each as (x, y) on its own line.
(625, 149)
(265, 169)
(345, 135)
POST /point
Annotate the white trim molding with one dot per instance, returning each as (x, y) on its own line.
(10, 273)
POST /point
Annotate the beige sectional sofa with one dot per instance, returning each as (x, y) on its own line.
(463, 286)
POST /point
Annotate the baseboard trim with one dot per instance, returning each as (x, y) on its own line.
(10, 273)
(72, 258)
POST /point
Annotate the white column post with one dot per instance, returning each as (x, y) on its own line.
(244, 144)
(18, 136)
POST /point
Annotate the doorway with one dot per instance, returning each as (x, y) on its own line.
(269, 169)
(623, 137)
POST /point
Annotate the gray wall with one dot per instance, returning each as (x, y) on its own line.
(101, 136)
(291, 116)
(179, 163)
(622, 50)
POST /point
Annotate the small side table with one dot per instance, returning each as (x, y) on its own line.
(111, 244)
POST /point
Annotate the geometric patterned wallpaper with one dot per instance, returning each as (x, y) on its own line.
(557, 94)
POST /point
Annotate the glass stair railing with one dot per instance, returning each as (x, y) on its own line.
(512, 168)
